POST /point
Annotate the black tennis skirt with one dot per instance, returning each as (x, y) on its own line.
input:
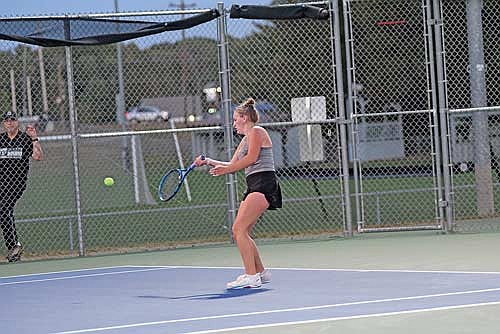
(267, 184)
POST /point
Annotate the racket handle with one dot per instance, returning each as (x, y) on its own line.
(193, 165)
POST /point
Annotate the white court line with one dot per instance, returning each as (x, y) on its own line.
(345, 270)
(71, 271)
(113, 267)
(82, 276)
(153, 268)
(274, 268)
(341, 318)
(224, 316)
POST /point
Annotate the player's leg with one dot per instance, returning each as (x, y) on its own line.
(265, 274)
(16, 252)
(259, 266)
(9, 228)
(6, 230)
(6, 222)
(248, 213)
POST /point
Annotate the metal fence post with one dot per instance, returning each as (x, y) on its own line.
(74, 142)
(224, 77)
(447, 202)
(350, 109)
(435, 115)
(338, 73)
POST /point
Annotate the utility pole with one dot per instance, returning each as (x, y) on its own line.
(43, 81)
(25, 74)
(13, 91)
(184, 56)
(120, 101)
(481, 138)
(182, 6)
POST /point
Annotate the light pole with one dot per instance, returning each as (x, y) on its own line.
(120, 100)
(43, 82)
(184, 56)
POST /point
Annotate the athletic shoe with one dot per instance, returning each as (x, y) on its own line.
(265, 276)
(245, 281)
(15, 253)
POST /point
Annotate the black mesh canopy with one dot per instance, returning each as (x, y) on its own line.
(278, 12)
(74, 31)
(51, 32)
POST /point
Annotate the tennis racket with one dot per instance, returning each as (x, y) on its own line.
(172, 181)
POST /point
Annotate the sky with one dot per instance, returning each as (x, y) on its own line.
(59, 7)
(37, 8)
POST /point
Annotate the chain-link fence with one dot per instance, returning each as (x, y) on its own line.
(393, 141)
(403, 148)
(288, 67)
(128, 99)
(144, 107)
(472, 67)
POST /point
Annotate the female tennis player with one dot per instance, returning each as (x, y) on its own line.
(255, 155)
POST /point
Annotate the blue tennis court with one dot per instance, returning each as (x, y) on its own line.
(182, 299)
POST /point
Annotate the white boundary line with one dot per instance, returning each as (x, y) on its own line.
(341, 318)
(273, 268)
(88, 330)
(70, 271)
(81, 276)
(343, 270)
(154, 268)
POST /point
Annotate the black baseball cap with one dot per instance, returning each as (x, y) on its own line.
(10, 115)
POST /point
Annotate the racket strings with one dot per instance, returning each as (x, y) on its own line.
(170, 184)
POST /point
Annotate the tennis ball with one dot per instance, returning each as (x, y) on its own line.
(108, 181)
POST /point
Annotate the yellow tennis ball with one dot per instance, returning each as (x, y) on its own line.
(109, 181)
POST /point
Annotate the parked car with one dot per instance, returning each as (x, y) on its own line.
(145, 114)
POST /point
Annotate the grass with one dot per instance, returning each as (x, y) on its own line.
(47, 213)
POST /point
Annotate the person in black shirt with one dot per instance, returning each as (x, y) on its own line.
(16, 148)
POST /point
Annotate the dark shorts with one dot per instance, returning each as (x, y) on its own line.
(267, 184)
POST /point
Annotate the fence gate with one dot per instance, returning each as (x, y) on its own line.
(392, 141)
(288, 67)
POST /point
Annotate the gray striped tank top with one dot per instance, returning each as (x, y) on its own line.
(264, 163)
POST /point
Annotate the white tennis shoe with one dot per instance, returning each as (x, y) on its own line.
(265, 276)
(245, 281)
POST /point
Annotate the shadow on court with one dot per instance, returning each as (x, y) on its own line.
(210, 296)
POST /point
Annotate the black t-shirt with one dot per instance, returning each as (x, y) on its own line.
(15, 161)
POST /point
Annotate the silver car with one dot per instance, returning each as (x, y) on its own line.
(146, 114)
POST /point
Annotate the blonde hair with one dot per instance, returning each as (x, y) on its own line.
(248, 108)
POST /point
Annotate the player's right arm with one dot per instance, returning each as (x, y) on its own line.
(209, 162)
(212, 162)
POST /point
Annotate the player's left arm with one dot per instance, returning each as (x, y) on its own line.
(37, 147)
